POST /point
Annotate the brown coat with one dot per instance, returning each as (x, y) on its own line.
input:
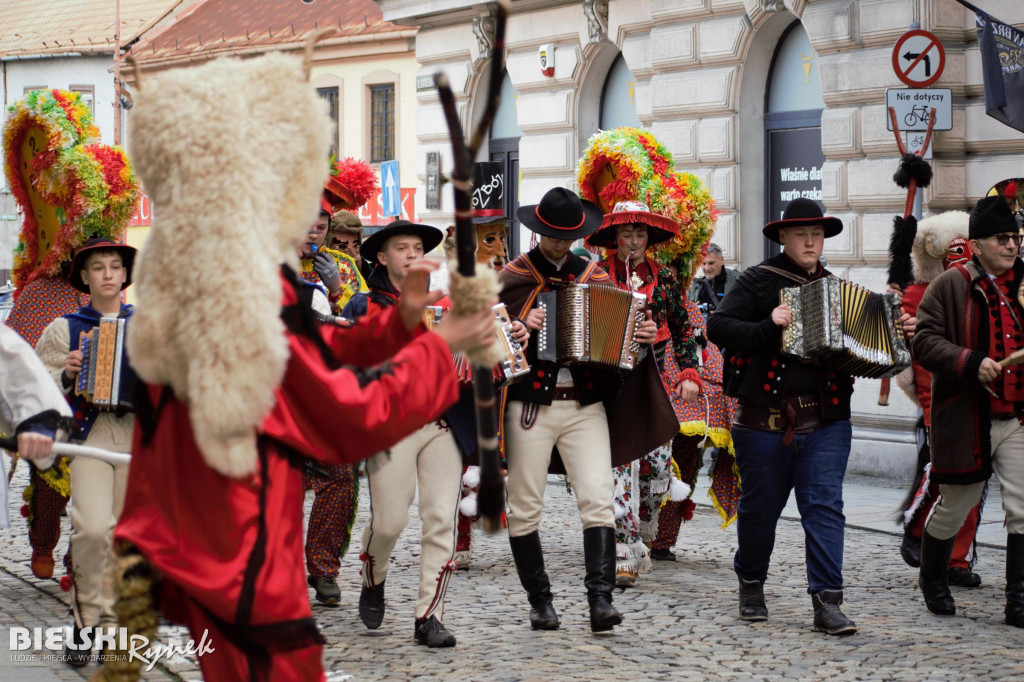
(951, 341)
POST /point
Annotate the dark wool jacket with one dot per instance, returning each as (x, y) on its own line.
(951, 341)
(755, 369)
(521, 280)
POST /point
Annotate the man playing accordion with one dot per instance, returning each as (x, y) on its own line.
(792, 428)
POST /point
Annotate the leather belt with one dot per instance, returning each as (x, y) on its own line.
(565, 393)
(799, 414)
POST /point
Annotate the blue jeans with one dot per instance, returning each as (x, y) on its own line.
(813, 465)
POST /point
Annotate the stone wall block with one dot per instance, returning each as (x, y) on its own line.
(982, 173)
(723, 187)
(673, 46)
(870, 185)
(680, 137)
(844, 248)
(430, 121)
(985, 134)
(882, 22)
(833, 185)
(702, 92)
(840, 132)
(547, 152)
(523, 67)
(441, 44)
(458, 74)
(726, 235)
(716, 139)
(946, 190)
(876, 139)
(851, 78)
(662, 10)
(831, 26)
(876, 234)
(636, 50)
(548, 109)
(721, 40)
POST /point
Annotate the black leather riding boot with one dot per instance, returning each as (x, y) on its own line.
(934, 578)
(599, 555)
(1015, 580)
(529, 558)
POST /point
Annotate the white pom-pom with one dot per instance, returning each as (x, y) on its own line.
(471, 479)
(467, 506)
(620, 511)
(678, 491)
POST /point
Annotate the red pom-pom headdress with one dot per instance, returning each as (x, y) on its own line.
(351, 184)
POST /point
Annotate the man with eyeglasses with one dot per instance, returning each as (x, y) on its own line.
(970, 318)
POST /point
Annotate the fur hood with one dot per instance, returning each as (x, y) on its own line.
(234, 156)
(933, 237)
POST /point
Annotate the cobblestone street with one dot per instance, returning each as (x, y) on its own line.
(680, 621)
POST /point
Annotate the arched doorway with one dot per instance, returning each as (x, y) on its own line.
(793, 106)
(503, 148)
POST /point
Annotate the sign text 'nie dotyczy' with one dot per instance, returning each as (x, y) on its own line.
(913, 107)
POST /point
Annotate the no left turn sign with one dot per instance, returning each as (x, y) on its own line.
(918, 58)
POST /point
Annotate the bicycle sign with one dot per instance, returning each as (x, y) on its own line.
(913, 107)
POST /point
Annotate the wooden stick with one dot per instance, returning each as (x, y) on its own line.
(491, 495)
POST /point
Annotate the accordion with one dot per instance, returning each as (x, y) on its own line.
(513, 363)
(107, 380)
(586, 323)
(855, 330)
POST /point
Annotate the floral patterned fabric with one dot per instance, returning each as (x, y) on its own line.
(709, 416)
(351, 281)
(640, 489)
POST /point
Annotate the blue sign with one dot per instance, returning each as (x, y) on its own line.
(390, 192)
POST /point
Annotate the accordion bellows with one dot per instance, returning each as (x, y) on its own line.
(591, 324)
(106, 380)
(855, 330)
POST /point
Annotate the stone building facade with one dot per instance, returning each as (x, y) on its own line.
(711, 79)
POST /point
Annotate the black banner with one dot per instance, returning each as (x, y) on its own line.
(1002, 61)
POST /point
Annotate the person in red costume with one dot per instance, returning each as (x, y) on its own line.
(241, 389)
(241, 580)
(940, 243)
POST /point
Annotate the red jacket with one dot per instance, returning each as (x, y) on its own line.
(236, 546)
(922, 377)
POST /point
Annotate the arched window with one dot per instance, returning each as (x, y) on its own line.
(618, 99)
(503, 148)
(793, 106)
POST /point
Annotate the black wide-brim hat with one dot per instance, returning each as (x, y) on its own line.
(561, 215)
(100, 244)
(372, 245)
(801, 213)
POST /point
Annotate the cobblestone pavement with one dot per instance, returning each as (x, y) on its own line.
(680, 621)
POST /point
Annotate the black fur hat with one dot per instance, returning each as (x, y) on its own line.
(991, 216)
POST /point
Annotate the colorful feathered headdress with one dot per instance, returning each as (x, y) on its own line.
(69, 187)
(629, 164)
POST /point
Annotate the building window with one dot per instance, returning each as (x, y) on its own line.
(88, 94)
(382, 122)
(331, 95)
(32, 88)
